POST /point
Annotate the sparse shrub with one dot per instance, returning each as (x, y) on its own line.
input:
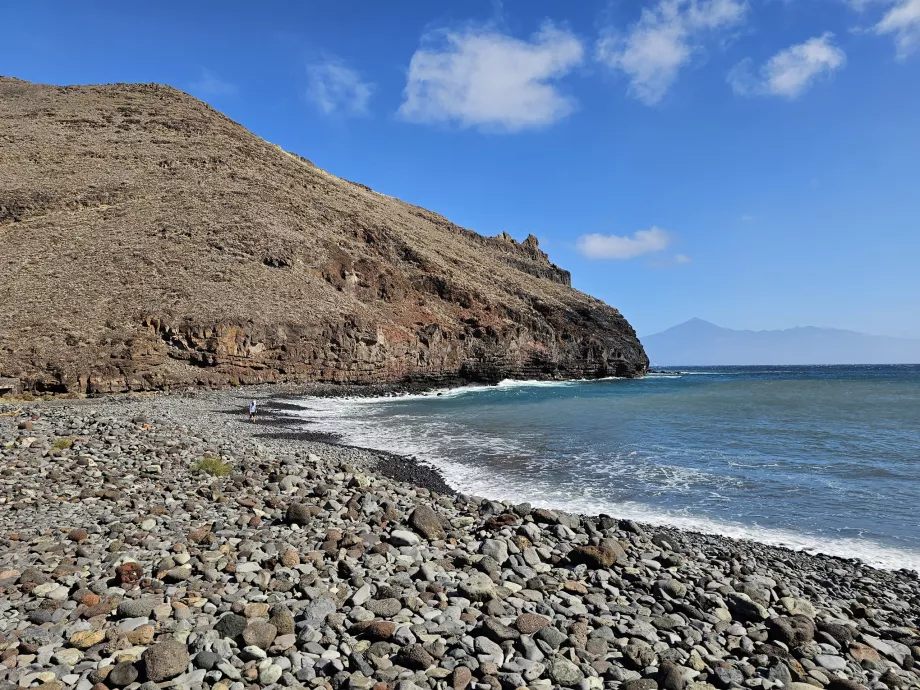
(212, 465)
(63, 443)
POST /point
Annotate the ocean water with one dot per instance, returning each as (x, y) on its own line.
(825, 459)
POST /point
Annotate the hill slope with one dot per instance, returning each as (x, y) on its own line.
(702, 343)
(148, 241)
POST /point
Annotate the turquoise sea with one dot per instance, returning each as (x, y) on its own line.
(818, 458)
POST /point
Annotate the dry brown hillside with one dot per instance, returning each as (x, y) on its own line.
(147, 241)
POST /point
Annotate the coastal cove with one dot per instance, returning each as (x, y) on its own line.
(814, 458)
(307, 562)
(406, 346)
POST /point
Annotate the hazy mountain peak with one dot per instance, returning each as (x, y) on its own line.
(700, 342)
(696, 322)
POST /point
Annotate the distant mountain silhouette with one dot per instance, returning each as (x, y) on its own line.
(698, 342)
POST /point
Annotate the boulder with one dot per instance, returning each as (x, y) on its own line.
(793, 631)
(477, 587)
(563, 672)
(165, 660)
(746, 609)
(427, 523)
(603, 555)
(529, 623)
(299, 514)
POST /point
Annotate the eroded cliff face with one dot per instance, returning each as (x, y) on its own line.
(148, 242)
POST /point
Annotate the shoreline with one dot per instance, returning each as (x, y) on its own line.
(334, 534)
(429, 476)
(395, 466)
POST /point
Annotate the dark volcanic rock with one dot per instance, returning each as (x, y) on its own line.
(122, 674)
(299, 514)
(498, 631)
(231, 625)
(415, 656)
(792, 631)
(282, 619)
(671, 676)
(427, 523)
(744, 608)
(206, 660)
(604, 555)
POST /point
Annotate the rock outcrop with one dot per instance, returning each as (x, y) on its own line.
(147, 242)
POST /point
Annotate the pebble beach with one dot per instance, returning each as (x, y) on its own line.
(166, 542)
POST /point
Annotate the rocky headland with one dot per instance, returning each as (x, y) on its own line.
(148, 242)
(154, 542)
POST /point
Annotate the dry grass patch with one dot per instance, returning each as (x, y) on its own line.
(212, 465)
(63, 443)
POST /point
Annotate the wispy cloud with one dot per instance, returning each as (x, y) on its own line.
(480, 77)
(211, 85)
(653, 51)
(598, 246)
(671, 261)
(901, 19)
(336, 88)
(790, 72)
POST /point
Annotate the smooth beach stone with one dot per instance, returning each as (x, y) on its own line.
(469, 610)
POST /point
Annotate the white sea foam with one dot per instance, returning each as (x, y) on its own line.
(448, 393)
(475, 482)
(359, 422)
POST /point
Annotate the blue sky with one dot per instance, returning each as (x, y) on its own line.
(752, 162)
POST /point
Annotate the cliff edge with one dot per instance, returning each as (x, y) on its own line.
(147, 241)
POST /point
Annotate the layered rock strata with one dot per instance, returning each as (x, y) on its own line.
(148, 242)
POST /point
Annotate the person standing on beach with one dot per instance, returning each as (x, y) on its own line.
(252, 410)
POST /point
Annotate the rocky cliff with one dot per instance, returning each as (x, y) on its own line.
(147, 241)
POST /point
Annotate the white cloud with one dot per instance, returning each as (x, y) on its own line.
(336, 88)
(212, 85)
(860, 5)
(790, 72)
(479, 77)
(664, 39)
(682, 259)
(597, 246)
(902, 20)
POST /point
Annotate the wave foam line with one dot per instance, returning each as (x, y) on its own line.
(470, 481)
(354, 420)
(456, 391)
